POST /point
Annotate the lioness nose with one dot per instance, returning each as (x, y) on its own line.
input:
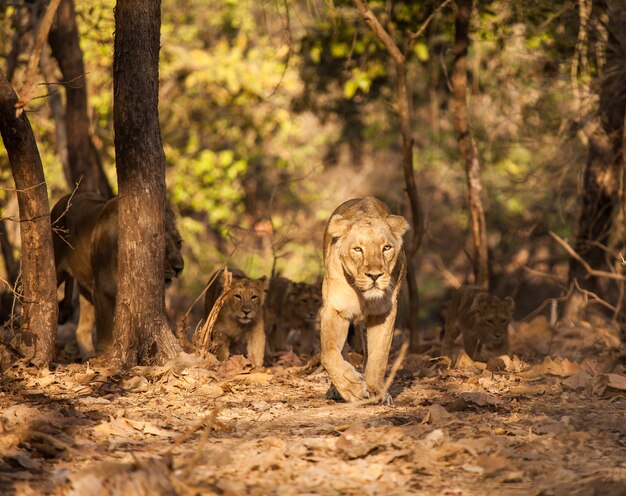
(373, 277)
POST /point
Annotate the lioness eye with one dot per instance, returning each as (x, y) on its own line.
(254, 297)
(238, 296)
(387, 247)
(358, 249)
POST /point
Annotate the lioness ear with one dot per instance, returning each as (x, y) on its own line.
(397, 224)
(338, 226)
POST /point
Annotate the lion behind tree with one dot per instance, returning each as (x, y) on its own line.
(365, 264)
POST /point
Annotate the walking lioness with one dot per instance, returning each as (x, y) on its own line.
(365, 264)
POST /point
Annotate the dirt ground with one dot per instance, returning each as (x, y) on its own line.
(552, 422)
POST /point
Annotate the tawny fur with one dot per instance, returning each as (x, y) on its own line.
(365, 265)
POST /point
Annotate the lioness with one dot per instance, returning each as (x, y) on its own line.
(365, 264)
(482, 318)
(240, 321)
(291, 305)
(85, 248)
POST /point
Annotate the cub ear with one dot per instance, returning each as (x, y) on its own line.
(264, 283)
(338, 226)
(510, 303)
(479, 301)
(397, 224)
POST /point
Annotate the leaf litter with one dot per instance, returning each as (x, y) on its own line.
(531, 423)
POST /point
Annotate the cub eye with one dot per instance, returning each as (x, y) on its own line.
(238, 296)
(254, 297)
(358, 249)
(387, 248)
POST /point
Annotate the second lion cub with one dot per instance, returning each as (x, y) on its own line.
(239, 326)
(482, 318)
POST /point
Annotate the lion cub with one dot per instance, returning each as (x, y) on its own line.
(240, 321)
(482, 318)
(291, 305)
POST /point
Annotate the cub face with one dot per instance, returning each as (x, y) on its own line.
(245, 299)
(491, 321)
(306, 300)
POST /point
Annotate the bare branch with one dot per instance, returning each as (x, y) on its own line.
(420, 31)
(590, 270)
(379, 30)
(26, 93)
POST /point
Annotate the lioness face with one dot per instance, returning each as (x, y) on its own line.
(368, 253)
(245, 299)
(174, 262)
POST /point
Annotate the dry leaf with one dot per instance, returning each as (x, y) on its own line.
(481, 399)
(259, 378)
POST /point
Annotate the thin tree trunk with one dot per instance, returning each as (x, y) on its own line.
(83, 158)
(141, 333)
(467, 144)
(39, 311)
(404, 111)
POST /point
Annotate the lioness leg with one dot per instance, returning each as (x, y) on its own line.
(84, 331)
(379, 337)
(255, 345)
(334, 331)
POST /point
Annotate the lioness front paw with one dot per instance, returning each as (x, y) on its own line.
(386, 400)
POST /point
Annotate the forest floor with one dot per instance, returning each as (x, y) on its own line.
(552, 423)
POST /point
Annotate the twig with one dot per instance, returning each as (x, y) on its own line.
(35, 55)
(594, 296)
(418, 33)
(289, 52)
(590, 270)
(204, 338)
(447, 274)
(207, 422)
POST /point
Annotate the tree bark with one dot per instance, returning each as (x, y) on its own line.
(141, 333)
(84, 162)
(404, 111)
(39, 310)
(599, 197)
(467, 144)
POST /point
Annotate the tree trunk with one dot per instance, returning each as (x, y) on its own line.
(467, 144)
(404, 111)
(83, 158)
(141, 333)
(599, 198)
(39, 310)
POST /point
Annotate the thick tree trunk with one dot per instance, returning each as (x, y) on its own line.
(467, 144)
(83, 158)
(141, 333)
(39, 311)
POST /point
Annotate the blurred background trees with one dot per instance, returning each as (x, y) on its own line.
(274, 113)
